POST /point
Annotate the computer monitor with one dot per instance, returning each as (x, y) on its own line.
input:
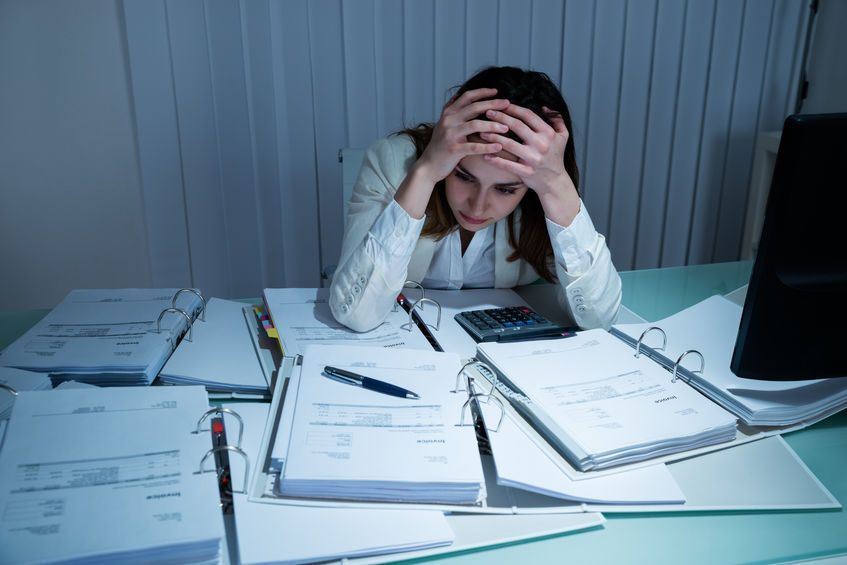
(794, 322)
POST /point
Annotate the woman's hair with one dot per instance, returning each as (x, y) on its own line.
(532, 90)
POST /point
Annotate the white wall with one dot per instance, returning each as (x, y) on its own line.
(70, 202)
(221, 120)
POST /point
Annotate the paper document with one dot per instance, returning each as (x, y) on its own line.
(108, 474)
(106, 337)
(601, 406)
(18, 380)
(302, 317)
(221, 354)
(348, 442)
(711, 327)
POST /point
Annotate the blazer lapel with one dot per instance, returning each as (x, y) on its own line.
(421, 258)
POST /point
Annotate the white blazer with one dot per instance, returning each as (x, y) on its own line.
(360, 297)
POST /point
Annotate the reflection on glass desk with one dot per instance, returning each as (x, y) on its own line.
(725, 537)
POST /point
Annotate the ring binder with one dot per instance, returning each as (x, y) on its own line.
(681, 357)
(220, 410)
(233, 449)
(176, 310)
(405, 285)
(8, 389)
(644, 333)
(476, 396)
(419, 305)
(200, 296)
(472, 363)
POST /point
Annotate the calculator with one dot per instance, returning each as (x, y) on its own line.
(509, 324)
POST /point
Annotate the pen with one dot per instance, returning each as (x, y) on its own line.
(369, 383)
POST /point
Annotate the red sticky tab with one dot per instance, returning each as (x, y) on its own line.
(218, 427)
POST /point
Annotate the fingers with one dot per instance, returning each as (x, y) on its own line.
(520, 169)
(516, 125)
(528, 117)
(480, 148)
(556, 121)
(471, 96)
(523, 152)
(481, 126)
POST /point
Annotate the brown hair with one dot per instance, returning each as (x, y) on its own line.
(532, 90)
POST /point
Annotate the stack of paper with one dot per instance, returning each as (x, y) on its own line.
(18, 380)
(599, 405)
(711, 327)
(302, 317)
(104, 337)
(222, 355)
(348, 442)
(108, 475)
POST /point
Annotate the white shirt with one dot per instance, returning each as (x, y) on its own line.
(396, 234)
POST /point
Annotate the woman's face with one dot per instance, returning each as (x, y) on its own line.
(480, 194)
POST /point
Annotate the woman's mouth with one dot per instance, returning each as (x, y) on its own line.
(472, 220)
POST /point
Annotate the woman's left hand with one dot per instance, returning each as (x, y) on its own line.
(540, 163)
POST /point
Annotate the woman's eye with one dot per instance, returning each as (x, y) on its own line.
(507, 190)
(461, 176)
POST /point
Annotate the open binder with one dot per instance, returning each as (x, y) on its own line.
(696, 345)
(74, 461)
(526, 476)
(225, 353)
(109, 337)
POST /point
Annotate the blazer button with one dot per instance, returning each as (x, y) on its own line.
(357, 289)
(579, 299)
(581, 308)
(349, 299)
(362, 280)
(344, 308)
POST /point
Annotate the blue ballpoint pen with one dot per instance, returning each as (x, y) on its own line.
(369, 383)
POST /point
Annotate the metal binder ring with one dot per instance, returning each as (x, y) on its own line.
(405, 285)
(648, 330)
(178, 311)
(419, 305)
(220, 410)
(477, 396)
(200, 296)
(9, 389)
(472, 363)
(678, 361)
(234, 450)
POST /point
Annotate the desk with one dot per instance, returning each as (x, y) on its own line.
(675, 538)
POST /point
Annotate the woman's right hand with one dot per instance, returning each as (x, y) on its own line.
(450, 144)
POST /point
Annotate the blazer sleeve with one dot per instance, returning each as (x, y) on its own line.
(362, 291)
(589, 288)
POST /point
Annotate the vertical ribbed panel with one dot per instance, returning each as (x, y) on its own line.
(667, 97)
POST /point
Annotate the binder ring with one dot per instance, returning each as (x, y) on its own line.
(234, 450)
(477, 396)
(220, 410)
(648, 330)
(407, 284)
(419, 305)
(200, 296)
(472, 363)
(8, 389)
(678, 361)
(178, 311)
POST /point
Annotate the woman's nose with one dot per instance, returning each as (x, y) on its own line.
(478, 203)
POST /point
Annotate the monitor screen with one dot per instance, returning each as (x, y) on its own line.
(794, 322)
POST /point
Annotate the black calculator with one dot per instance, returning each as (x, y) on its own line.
(509, 324)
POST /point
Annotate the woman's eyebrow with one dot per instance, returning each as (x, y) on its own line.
(517, 184)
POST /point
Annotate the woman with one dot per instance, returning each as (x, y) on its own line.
(487, 197)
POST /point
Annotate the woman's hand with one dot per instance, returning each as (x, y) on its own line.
(540, 159)
(450, 144)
